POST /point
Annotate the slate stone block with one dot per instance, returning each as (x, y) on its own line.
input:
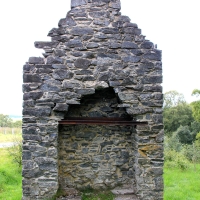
(47, 87)
(61, 107)
(31, 78)
(30, 130)
(68, 21)
(110, 30)
(132, 59)
(37, 138)
(37, 112)
(71, 84)
(132, 31)
(36, 60)
(127, 24)
(32, 95)
(99, 14)
(152, 79)
(115, 5)
(74, 43)
(61, 74)
(129, 45)
(47, 164)
(156, 55)
(146, 45)
(26, 155)
(136, 52)
(41, 45)
(75, 3)
(82, 31)
(115, 45)
(54, 60)
(157, 118)
(92, 45)
(85, 91)
(82, 63)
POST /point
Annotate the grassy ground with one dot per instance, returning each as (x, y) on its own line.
(10, 178)
(9, 137)
(97, 195)
(182, 185)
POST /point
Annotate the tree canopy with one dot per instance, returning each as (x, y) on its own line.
(6, 121)
(173, 98)
(176, 116)
(196, 105)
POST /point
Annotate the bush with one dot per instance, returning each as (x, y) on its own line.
(173, 143)
(16, 152)
(175, 159)
(192, 152)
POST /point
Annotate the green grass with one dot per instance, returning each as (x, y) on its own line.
(10, 178)
(97, 195)
(182, 185)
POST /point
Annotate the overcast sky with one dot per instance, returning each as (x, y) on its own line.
(171, 24)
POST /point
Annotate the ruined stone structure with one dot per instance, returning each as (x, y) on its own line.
(98, 65)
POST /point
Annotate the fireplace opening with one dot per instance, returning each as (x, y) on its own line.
(96, 156)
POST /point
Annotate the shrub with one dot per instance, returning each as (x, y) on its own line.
(16, 152)
(174, 159)
(192, 152)
(173, 143)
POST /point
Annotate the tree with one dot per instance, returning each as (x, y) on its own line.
(196, 92)
(173, 98)
(184, 135)
(176, 116)
(17, 124)
(5, 121)
(195, 128)
(196, 105)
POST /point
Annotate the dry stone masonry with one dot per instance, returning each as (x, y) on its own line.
(97, 64)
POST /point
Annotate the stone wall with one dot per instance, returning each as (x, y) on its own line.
(94, 47)
(95, 157)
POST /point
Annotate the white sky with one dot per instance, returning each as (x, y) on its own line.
(171, 24)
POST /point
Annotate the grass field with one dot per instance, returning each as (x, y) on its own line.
(10, 178)
(182, 185)
(10, 135)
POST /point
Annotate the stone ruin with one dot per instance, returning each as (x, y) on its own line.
(97, 68)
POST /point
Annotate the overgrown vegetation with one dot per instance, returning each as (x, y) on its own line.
(182, 130)
(15, 152)
(182, 147)
(10, 177)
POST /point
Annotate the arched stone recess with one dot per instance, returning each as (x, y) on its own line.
(94, 48)
(96, 156)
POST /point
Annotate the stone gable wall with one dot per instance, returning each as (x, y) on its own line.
(94, 47)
